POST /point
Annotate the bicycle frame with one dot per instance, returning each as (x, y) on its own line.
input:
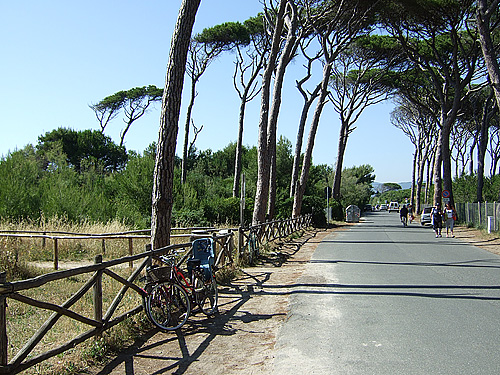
(170, 293)
(178, 276)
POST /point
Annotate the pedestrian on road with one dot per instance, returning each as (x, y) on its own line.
(450, 215)
(437, 220)
(403, 214)
(410, 213)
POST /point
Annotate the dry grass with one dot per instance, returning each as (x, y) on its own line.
(480, 238)
(28, 257)
(24, 320)
(20, 257)
(38, 249)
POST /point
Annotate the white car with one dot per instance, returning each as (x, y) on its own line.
(394, 206)
(426, 217)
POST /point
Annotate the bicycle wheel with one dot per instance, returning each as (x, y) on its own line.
(168, 306)
(206, 294)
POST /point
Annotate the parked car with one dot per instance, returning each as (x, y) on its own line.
(368, 208)
(394, 206)
(383, 207)
(426, 217)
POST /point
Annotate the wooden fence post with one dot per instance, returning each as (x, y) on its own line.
(214, 239)
(130, 252)
(98, 291)
(231, 247)
(240, 241)
(486, 212)
(103, 246)
(56, 255)
(495, 215)
(3, 324)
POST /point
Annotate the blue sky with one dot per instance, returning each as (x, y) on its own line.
(60, 56)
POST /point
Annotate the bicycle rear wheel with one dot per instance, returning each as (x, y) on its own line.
(168, 306)
(206, 295)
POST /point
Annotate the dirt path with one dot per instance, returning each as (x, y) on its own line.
(240, 340)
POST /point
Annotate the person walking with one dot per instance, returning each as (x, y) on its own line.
(450, 215)
(437, 220)
(410, 213)
(403, 214)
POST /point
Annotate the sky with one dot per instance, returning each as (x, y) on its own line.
(59, 57)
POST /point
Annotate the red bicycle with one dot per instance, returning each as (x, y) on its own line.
(170, 293)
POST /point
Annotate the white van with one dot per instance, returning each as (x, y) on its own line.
(394, 206)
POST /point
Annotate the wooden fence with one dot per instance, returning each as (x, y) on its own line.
(251, 238)
(57, 236)
(101, 321)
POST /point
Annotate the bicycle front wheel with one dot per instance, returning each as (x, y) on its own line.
(206, 295)
(168, 306)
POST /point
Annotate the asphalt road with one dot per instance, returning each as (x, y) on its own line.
(382, 299)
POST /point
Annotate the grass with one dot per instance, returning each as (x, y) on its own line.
(24, 320)
(16, 253)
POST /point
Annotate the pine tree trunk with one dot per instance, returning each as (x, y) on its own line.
(306, 164)
(162, 200)
(239, 147)
(340, 161)
(483, 16)
(300, 137)
(263, 162)
(438, 170)
(185, 150)
(285, 58)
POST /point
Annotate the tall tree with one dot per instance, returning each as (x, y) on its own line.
(336, 24)
(248, 64)
(263, 162)
(359, 80)
(309, 98)
(134, 102)
(420, 127)
(488, 20)
(199, 58)
(289, 48)
(162, 200)
(488, 110)
(438, 40)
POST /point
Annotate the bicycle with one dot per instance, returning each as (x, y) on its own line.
(170, 293)
(253, 247)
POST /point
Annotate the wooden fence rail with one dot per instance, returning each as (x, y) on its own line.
(100, 321)
(58, 236)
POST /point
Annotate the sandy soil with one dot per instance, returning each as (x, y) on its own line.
(241, 339)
